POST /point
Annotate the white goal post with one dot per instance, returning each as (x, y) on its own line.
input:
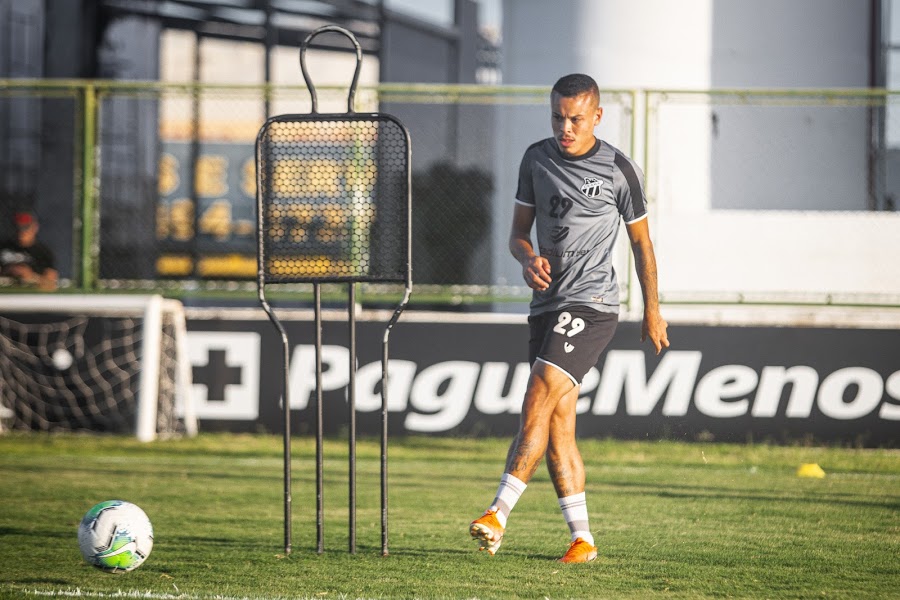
(145, 350)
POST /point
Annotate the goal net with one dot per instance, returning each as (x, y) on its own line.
(113, 364)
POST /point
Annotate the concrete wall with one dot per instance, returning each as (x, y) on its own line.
(756, 162)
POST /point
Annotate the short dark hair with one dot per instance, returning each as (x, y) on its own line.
(575, 84)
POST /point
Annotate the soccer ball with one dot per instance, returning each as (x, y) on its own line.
(115, 536)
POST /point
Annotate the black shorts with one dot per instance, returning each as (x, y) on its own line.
(571, 339)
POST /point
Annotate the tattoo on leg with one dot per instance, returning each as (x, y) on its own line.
(523, 459)
(564, 489)
(558, 470)
(511, 451)
(561, 476)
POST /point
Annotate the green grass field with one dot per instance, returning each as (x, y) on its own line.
(672, 520)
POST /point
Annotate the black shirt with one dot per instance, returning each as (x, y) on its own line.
(37, 256)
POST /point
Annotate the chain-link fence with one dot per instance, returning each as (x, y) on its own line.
(772, 195)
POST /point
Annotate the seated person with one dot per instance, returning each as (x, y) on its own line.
(25, 259)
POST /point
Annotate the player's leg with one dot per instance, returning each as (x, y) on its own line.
(563, 458)
(563, 346)
(583, 334)
(545, 388)
(567, 472)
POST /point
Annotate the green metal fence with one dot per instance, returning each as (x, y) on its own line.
(150, 186)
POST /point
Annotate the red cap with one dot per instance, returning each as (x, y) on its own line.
(23, 219)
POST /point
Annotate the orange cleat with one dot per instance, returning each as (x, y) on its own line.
(488, 531)
(579, 552)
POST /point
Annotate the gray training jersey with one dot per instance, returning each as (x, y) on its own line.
(578, 203)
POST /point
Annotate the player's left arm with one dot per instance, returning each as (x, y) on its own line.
(654, 326)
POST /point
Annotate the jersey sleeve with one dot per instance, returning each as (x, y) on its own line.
(629, 189)
(525, 189)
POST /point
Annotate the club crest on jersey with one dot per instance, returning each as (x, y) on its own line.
(592, 187)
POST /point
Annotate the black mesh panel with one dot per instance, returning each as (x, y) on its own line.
(334, 199)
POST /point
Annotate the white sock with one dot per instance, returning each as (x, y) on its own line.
(574, 509)
(510, 490)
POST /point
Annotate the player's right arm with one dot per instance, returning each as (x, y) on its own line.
(535, 268)
(48, 280)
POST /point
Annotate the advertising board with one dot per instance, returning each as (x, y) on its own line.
(468, 378)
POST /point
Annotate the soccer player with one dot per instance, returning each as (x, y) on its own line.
(574, 188)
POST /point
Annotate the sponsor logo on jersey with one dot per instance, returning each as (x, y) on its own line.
(559, 234)
(559, 253)
(568, 347)
(592, 187)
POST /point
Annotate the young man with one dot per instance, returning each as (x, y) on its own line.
(575, 188)
(27, 260)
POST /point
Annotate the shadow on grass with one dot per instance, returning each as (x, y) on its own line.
(242, 543)
(37, 581)
(35, 532)
(473, 553)
(196, 474)
(693, 492)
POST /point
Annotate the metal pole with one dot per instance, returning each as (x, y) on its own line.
(384, 418)
(286, 408)
(89, 194)
(261, 236)
(351, 401)
(320, 502)
(384, 432)
(269, 43)
(194, 156)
